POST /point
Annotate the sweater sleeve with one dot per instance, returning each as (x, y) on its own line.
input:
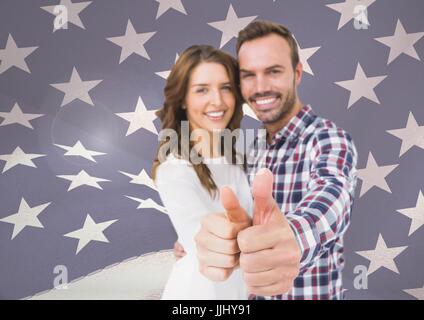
(182, 195)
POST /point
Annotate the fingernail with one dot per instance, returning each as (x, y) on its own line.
(262, 171)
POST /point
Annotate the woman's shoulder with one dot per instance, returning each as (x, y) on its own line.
(174, 168)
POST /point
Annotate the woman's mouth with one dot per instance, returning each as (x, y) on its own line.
(215, 115)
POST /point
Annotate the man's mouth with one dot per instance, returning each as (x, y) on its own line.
(215, 115)
(266, 103)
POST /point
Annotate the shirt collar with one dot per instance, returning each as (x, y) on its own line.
(293, 128)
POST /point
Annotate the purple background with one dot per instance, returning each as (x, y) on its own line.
(27, 261)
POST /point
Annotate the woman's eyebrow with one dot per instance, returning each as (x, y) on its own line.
(207, 84)
(245, 71)
(200, 84)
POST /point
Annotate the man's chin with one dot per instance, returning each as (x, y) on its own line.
(271, 116)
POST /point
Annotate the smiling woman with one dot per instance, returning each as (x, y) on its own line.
(202, 90)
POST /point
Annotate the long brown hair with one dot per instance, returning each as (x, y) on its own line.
(172, 113)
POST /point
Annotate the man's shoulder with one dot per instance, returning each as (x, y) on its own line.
(322, 129)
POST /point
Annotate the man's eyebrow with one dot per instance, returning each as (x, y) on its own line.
(275, 66)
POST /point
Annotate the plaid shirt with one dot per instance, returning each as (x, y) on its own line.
(314, 166)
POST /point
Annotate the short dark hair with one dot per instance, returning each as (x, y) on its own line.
(261, 28)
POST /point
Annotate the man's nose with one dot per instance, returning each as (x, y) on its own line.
(262, 85)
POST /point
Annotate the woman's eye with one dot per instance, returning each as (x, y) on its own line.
(227, 88)
(201, 90)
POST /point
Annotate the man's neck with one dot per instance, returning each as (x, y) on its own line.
(273, 128)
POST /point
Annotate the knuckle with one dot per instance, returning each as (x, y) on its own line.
(292, 256)
(201, 258)
(222, 274)
(249, 278)
(233, 247)
(230, 261)
(228, 246)
(226, 273)
(242, 241)
(244, 262)
(294, 273)
(285, 287)
(228, 231)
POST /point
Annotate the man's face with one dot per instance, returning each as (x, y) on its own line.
(268, 81)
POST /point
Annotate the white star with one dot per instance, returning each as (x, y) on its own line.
(417, 293)
(12, 55)
(411, 135)
(18, 156)
(17, 116)
(73, 11)
(140, 118)
(91, 231)
(304, 55)
(79, 150)
(231, 26)
(374, 175)
(132, 42)
(25, 217)
(347, 10)
(247, 111)
(361, 86)
(82, 178)
(165, 74)
(165, 5)
(148, 204)
(382, 256)
(416, 214)
(76, 88)
(401, 42)
(142, 178)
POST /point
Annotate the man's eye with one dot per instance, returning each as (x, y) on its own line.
(275, 71)
(245, 76)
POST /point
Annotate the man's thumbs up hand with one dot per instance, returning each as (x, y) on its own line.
(264, 206)
(270, 255)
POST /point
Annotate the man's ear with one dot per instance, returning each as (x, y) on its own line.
(298, 73)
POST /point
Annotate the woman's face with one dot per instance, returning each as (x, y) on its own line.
(210, 101)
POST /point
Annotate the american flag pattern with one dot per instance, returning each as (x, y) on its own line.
(79, 84)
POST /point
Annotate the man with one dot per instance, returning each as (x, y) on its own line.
(293, 248)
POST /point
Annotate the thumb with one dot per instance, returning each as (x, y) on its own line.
(235, 213)
(264, 205)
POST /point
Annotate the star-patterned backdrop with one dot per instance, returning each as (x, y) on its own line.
(78, 131)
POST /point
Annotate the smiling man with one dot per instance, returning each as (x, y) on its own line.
(302, 175)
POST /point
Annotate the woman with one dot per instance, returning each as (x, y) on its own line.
(201, 95)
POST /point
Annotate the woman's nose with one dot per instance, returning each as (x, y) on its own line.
(216, 98)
